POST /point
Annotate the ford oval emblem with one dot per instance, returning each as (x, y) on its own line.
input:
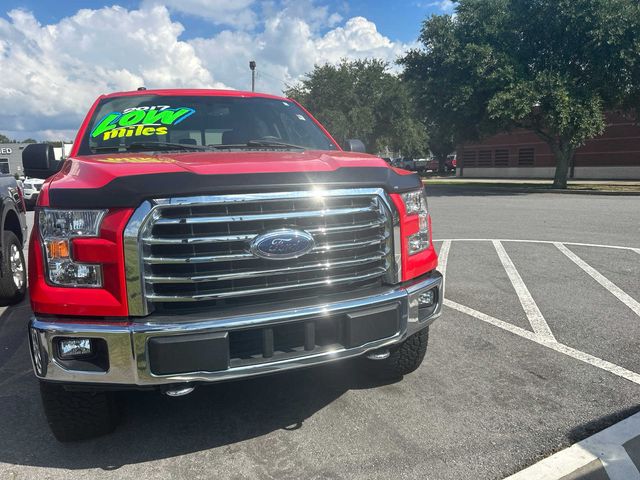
(282, 244)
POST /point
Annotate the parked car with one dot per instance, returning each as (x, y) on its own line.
(31, 189)
(197, 236)
(406, 163)
(13, 272)
(452, 162)
(433, 164)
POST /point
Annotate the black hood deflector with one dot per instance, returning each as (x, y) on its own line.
(131, 191)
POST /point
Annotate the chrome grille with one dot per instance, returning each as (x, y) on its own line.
(195, 252)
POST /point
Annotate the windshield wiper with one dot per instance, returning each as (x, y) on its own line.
(163, 146)
(148, 146)
(256, 144)
(272, 143)
(181, 146)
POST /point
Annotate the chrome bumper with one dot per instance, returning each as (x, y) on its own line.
(128, 343)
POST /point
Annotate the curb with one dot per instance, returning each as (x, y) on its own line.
(516, 189)
(612, 454)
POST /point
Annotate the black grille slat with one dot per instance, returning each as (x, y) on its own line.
(267, 342)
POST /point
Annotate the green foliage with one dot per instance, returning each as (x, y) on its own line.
(5, 139)
(553, 66)
(362, 99)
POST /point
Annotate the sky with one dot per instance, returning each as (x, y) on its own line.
(57, 57)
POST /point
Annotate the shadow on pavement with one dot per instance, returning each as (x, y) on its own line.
(156, 426)
(439, 190)
(590, 428)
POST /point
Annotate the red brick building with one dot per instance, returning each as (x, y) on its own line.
(613, 155)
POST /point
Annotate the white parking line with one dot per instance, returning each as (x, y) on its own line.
(537, 321)
(601, 279)
(618, 247)
(443, 256)
(605, 447)
(546, 342)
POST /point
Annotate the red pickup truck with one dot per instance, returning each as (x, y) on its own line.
(196, 236)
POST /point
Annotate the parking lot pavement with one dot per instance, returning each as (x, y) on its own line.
(567, 291)
(610, 454)
(536, 350)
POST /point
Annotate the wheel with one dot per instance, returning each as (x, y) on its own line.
(77, 415)
(405, 358)
(13, 273)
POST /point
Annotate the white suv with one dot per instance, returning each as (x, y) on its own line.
(31, 190)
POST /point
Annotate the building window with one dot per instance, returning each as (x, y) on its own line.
(4, 165)
(501, 158)
(469, 158)
(484, 158)
(525, 157)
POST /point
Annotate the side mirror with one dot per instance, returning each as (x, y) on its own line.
(38, 161)
(355, 145)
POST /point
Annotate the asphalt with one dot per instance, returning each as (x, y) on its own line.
(485, 404)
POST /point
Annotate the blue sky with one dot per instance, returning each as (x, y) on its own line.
(397, 19)
(57, 57)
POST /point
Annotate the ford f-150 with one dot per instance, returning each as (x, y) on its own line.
(195, 236)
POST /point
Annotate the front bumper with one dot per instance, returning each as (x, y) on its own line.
(128, 350)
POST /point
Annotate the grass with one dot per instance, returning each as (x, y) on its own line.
(585, 187)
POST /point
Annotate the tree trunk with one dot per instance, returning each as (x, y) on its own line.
(563, 153)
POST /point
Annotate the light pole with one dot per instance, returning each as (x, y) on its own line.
(252, 66)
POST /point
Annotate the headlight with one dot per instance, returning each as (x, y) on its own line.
(57, 229)
(416, 204)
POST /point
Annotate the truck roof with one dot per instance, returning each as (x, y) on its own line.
(193, 92)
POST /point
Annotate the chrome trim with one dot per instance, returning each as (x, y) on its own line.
(344, 246)
(133, 266)
(127, 343)
(258, 273)
(253, 291)
(200, 259)
(245, 238)
(396, 274)
(250, 256)
(263, 216)
(231, 199)
(193, 240)
(137, 235)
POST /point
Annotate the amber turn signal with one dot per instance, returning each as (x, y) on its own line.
(57, 249)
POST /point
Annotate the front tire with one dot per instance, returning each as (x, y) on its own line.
(405, 358)
(13, 273)
(78, 415)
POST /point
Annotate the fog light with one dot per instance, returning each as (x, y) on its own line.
(426, 299)
(74, 347)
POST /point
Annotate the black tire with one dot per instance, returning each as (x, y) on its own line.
(77, 415)
(10, 291)
(405, 358)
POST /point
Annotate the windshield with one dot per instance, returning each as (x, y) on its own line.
(155, 122)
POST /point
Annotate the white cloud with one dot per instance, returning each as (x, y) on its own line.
(446, 6)
(236, 13)
(289, 47)
(52, 73)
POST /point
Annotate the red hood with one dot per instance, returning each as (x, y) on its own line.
(95, 171)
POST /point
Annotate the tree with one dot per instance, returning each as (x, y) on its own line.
(4, 139)
(362, 99)
(441, 143)
(551, 66)
(29, 140)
